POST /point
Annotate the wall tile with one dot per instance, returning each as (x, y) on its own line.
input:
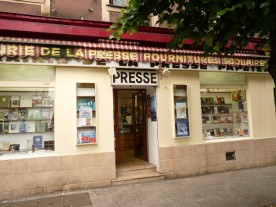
(20, 166)
(68, 162)
(37, 165)
(5, 167)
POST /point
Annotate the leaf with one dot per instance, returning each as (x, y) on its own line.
(265, 4)
(250, 5)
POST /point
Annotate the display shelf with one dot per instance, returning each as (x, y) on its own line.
(181, 111)
(26, 117)
(222, 117)
(86, 113)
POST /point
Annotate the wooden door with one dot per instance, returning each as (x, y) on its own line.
(140, 124)
(116, 126)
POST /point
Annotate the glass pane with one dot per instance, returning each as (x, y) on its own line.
(26, 73)
(221, 78)
(119, 2)
(181, 111)
(26, 119)
(224, 113)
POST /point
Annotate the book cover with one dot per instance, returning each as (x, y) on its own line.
(85, 117)
(14, 101)
(4, 101)
(37, 141)
(45, 113)
(13, 127)
(48, 101)
(4, 127)
(88, 137)
(34, 114)
(13, 114)
(182, 128)
(26, 100)
(23, 114)
(181, 110)
(23, 127)
(4, 114)
(40, 126)
(85, 103)
(31, 126)
(37, 101)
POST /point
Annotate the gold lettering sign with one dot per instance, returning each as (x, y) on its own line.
(12, 50)
(29, 51)
(55, 52)
(45, 51)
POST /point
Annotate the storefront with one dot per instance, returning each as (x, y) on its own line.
(70, 113)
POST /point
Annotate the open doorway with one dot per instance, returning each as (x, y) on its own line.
(130, 125)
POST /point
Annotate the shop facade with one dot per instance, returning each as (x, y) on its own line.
(71, 112)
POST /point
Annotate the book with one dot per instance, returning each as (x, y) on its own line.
(13, 114)
(14, 101)
(85, 103)
(87, 137)
(4, 101)
(48, 101)
(85, 117)
(36, 101)
(37, 141)
(23, 127)
(26, 100)
(181, 110)
(40, 126)
(4, 114)
(34, 114)
(45, 113)
(6, 146)
(31, 126)
(23, 114)
(13, 127)
(4, 127)
(182, 127)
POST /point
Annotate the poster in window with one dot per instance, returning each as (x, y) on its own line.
(182, 127)
(153, 108)
(181, 110)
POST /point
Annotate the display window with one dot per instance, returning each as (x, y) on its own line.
(26, 110)
(26, 119)
(181, 115)
(224, 113)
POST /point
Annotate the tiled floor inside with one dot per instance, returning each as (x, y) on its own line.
(129, 161)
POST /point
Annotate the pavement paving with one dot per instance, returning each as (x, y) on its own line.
(241, 188)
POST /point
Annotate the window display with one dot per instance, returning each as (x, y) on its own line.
(26, 119)
(224, 113)
(181, 111)
(86, 113)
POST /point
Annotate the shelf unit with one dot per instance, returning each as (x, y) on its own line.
(181, 111)
(27, 116)
(86, 113)
(222, 117)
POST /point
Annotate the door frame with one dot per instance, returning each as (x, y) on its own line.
(117, 129)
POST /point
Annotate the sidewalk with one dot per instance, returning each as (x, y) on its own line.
(242, 188)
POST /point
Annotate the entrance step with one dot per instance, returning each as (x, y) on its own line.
(137, 174)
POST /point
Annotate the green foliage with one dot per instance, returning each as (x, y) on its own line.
(210, 23)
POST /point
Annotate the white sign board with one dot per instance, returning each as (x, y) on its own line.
(135, 77)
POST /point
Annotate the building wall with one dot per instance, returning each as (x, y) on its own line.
(261, 105)
(30, 176)
(180, 157)
(196, 159)
(70, 166)
(165, 108)
(65, 108)
(20, 8)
